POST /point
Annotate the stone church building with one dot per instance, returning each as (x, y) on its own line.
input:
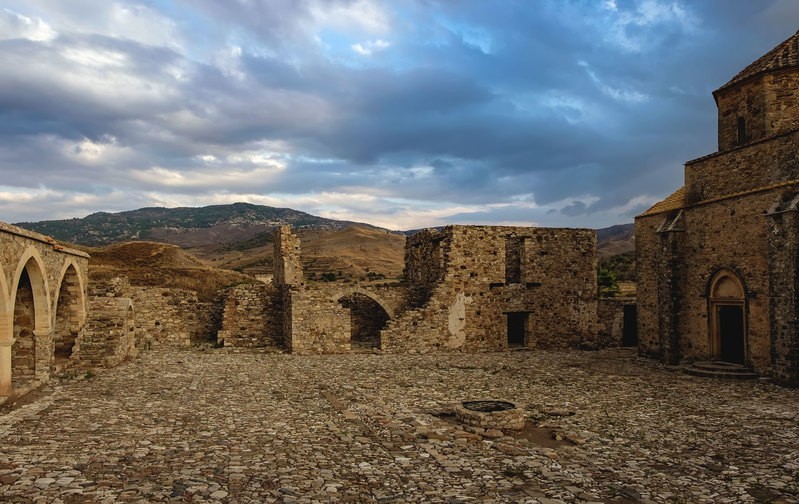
(718, 260)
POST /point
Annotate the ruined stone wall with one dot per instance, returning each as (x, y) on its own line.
(253, 317)
(287, 257)
(318, 323)
(426, 254)
(169, 317)
(367, 319)
(109, 336)
(563, 262)
(468, 306)
(610, 316)
(757, 165)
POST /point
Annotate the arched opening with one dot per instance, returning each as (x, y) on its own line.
(23, 351)
(367, 319)
(68, 316)
(727, 315)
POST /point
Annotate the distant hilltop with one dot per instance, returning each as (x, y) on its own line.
(185, 227)
(243, 224)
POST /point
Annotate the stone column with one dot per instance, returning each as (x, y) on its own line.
(43, 352)
(288, 278)
(6, 387)
(669, 286)
(783, 246)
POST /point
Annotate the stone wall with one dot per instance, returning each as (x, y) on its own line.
(318, 322)
(726, 173)
(169, 317)
(109, 337)
(610, 316)
(253, 317)
(468, 305)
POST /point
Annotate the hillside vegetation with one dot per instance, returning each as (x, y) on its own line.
(186, 227)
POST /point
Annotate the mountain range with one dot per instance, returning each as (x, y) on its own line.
(239, 237)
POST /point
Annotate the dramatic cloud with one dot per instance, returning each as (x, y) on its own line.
(403, 113)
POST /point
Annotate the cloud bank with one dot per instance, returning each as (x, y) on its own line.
(404, 114)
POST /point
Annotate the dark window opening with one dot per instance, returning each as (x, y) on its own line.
(514, 247)
(630, 328)
(741, 131)
(517, 327)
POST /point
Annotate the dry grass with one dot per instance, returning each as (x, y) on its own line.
(160, 265)
(353, 252)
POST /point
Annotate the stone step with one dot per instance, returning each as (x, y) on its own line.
(720, 366)
(720, 370)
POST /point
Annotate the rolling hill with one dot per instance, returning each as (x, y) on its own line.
(239, 237)
(185, 227)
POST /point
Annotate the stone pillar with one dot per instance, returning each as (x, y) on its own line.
(783, 246)
(671, 237)
(287, 257)
(6, 387)
(288, 277)
(44, 353)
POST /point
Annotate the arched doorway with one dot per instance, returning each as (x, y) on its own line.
(727, 306)
(367, 319)
(69, 316)
(23, 351)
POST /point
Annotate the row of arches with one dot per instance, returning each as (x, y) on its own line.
(38, 325)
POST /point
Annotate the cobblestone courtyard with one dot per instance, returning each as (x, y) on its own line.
(193, 426)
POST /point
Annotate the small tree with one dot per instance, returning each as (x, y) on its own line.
(606, 283)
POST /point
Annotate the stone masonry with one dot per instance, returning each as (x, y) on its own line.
(42, 306)
(109, 338)
(478, 288)
(166, 316)
(252, 317)
(466, 288)
(717, 274)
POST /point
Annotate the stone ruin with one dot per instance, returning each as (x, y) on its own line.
(465, 288)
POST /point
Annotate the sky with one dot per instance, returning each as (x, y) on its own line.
(400, 113)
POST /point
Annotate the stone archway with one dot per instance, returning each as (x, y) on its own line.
(727, 316)
(70, 315)
(367, 318)
(30, 319)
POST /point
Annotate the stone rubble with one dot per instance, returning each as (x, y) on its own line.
(244, 426)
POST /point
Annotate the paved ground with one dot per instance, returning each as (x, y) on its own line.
(192, 426)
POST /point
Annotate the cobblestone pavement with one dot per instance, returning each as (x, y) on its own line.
(194, 426)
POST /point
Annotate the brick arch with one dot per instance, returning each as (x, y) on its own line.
(371, 295)
(32, 261)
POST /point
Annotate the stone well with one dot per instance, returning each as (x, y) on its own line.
(490, 414)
